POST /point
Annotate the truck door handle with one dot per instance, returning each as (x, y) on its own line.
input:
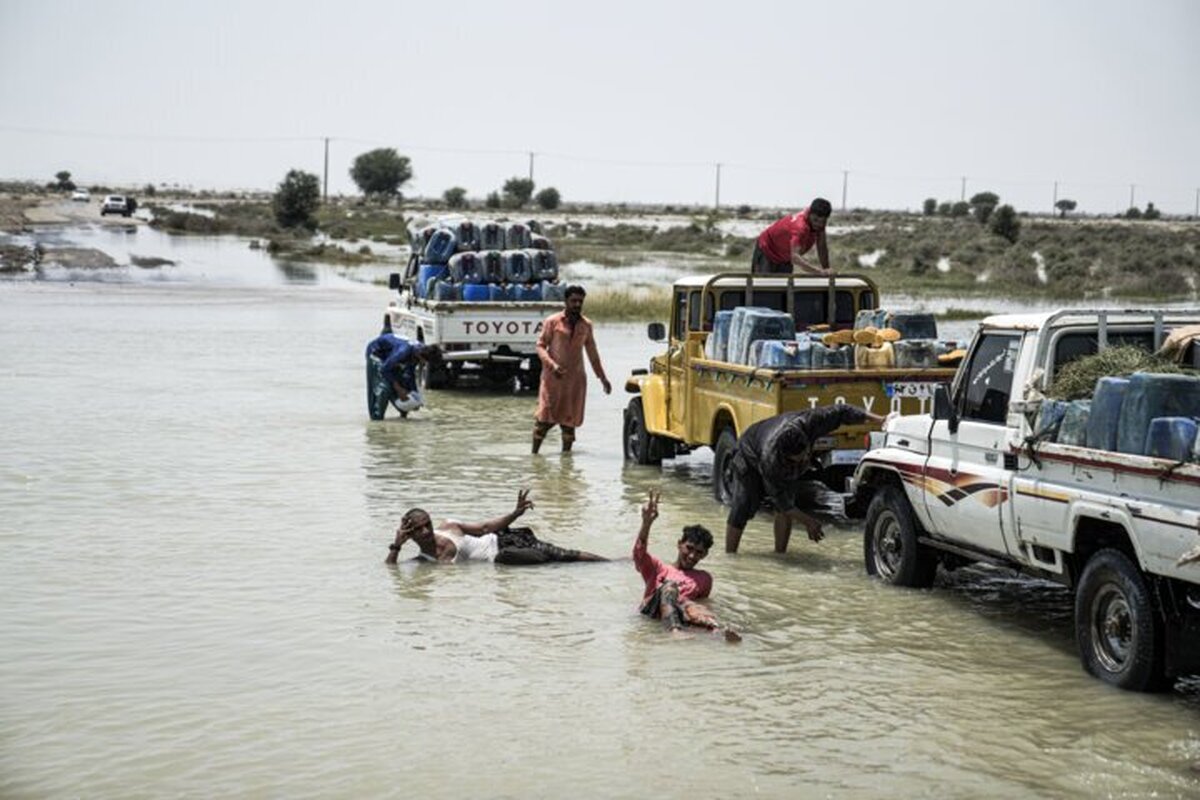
(990, 458)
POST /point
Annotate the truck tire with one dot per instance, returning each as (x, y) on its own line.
(890, 547)
(1117, 627)
(638, 443)
(722, 452)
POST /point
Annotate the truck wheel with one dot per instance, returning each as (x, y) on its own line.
(890, 547)
(1116, 624)
(638, 442)
(722, 452)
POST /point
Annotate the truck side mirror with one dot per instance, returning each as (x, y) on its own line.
(943, 408)
(656, 331)
(394, 281)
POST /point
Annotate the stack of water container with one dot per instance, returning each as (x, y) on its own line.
(904, 339)
(486, 262)
(1146, 414)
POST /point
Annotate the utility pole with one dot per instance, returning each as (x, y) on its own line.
(962, 195)
(531, 166)
(717, 202)
(1054, 205)
(845, 180)
(325, 183)
(1131, 195)
(1197, 203)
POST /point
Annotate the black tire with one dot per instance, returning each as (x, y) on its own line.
(1117, 626)
(638, 444)
(722, 453)
(890, 547)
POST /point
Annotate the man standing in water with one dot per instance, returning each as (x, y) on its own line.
(672, 589)
(563, 390)
(768, 463)
(779, 248)
(493, 540)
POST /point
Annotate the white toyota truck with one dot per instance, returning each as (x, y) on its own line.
(974, 482)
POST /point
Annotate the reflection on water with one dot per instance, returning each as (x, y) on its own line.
(196, 602)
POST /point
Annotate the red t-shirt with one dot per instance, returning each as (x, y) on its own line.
(777, 241)
(694, 584)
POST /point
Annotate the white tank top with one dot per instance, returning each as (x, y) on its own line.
(471, 548)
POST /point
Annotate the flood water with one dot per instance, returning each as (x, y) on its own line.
(194, 513)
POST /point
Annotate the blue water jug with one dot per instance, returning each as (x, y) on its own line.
(1049, 416)
(717, 346)
(421, 238)
(467, 233)
(517, 267)
(446, 290)
(491, 236)
(1074, 427)
(869, 318)
(466, 268)
(1171, 437)
(553, 291)
(529, 292)
(539, 242)
(441, 246)
(1150, 396)
(426, 273)
(1105, 414)
(517, 237)
(476, 292)
(916, 353)
(912, 325)
(499, 292)
(775, 354)
(545, 265)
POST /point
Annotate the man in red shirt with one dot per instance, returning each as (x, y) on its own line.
(671, 589)
(779, 248)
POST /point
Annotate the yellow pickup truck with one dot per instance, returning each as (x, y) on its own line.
(690, 397)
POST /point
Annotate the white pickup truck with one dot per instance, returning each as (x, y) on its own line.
(492, 342)
(971, 482)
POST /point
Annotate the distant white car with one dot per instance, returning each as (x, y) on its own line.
(117, 204)
(81, 196)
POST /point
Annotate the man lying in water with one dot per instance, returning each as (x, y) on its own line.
(493, 540)
(672, 589)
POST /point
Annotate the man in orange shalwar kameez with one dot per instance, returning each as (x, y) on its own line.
(563, 391)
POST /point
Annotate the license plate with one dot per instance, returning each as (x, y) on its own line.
(846, 456)
(921, 390)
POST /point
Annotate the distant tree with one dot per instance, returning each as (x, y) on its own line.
(1151, 212)
(930, 207)
(548, 199)
(455, 197)
(744, 210)
(149, 190)
(983, 204)
(944, 209)
(517, 192)
(297, 199)
(960, 209)
(1133, 213)
(1065, 207)
(1004, 223)
(65, 184)
(492, 200)
(381, 172)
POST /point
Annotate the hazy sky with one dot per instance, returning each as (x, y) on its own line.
(621, 101)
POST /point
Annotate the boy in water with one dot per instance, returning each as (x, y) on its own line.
(672, 589)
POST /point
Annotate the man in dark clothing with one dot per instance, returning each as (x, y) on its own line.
(392, 372)
(768, 463)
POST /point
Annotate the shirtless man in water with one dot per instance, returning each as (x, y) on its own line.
(493, 540)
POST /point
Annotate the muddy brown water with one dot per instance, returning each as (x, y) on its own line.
(194, 511)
